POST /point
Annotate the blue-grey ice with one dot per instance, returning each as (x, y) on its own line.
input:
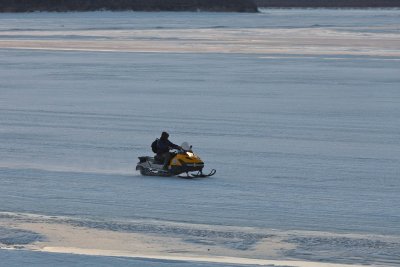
(298, 110)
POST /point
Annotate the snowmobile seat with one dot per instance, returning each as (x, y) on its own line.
(158, 160)
(142, 159)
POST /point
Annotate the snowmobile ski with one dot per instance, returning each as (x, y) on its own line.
(199, 174)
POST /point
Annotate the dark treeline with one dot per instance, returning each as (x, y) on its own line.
(135, 5)
(328, 3)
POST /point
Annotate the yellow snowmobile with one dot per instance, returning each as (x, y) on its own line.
(183, 161)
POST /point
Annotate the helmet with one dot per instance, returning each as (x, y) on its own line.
(164, 135)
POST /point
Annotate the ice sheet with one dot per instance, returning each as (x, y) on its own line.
(298, 110)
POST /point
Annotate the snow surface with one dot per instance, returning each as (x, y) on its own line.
(298, 110)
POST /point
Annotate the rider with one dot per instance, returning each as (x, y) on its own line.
(163, 147)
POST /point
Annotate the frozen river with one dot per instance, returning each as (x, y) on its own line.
(298, 110)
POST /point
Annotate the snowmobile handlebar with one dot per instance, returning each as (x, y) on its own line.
(181, 150)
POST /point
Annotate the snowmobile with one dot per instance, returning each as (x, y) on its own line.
(183, 161)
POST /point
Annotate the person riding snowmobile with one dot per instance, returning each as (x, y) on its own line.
(166, 164)
(163, 147)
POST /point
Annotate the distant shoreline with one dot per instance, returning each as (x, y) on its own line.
(248, 6)
(20, 6)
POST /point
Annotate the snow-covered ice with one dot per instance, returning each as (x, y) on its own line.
(298, 110)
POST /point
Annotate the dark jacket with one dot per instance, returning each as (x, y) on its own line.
(164, 145)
